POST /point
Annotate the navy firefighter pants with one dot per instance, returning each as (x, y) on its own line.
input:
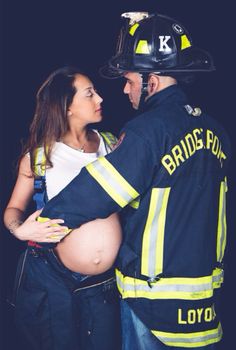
(53, 312)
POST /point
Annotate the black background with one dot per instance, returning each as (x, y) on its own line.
(40, 36)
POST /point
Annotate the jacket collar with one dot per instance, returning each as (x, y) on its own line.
(171, 94)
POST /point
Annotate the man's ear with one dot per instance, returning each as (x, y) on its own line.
(153, 84)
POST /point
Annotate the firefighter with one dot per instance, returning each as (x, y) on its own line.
(168, 174)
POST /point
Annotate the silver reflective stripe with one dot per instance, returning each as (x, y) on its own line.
(221, 234)
(218, 278)
(170, 288)
(112, 181)
(153, 237)
(195, 339)
(157, 287)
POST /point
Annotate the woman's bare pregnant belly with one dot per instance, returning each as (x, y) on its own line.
(92, 248)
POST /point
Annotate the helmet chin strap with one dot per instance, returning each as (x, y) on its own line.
(144, 90)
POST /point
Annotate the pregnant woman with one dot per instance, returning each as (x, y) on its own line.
(65, 295)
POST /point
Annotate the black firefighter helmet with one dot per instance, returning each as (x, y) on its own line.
(155, 43)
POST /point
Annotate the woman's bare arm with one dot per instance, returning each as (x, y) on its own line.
(14, 216)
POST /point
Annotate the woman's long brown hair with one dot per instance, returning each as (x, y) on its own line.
(50, 119)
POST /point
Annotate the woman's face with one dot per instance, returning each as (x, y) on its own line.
(86, 104)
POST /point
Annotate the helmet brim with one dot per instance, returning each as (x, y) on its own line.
(198, 60)
(109, 72)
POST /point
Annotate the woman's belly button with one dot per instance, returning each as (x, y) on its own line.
(92, 248)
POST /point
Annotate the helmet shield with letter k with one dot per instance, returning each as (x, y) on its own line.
(155, 43)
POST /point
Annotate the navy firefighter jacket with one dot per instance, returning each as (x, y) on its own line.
(169, 173)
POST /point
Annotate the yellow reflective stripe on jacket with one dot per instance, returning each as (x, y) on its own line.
(153, 237)
(135, 203)
(190, 340)
(40, 161)
(112, 181)
(222, 227)
(194, 288)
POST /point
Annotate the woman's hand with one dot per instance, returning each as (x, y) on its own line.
(33, 230)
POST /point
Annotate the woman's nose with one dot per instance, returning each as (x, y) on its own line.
(99, 99)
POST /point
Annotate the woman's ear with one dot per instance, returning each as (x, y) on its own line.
(153, 83)
(69, 113)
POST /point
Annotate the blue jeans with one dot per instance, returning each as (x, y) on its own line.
(136, 336)
(53, 312)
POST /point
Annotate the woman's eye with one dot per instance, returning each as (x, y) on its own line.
(91, 93)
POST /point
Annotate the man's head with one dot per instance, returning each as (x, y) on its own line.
(133, 86)
(153, 44)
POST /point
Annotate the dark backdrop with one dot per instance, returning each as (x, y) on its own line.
(40, 36)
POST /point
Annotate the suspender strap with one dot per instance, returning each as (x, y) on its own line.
(40, 196)
(109, 138)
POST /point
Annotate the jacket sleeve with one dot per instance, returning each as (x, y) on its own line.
(105, 186)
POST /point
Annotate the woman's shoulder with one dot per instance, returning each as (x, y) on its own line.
(25, 166)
